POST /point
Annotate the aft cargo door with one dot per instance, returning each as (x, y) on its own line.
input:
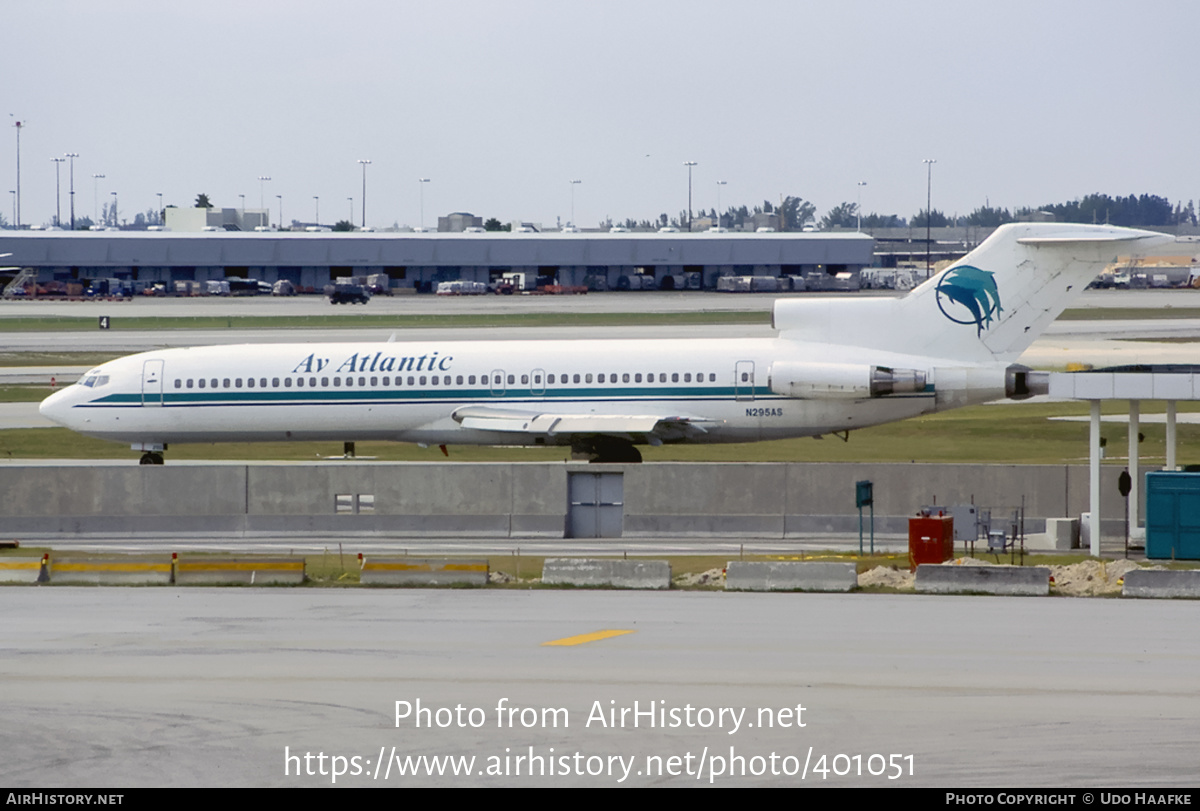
(152, 383)
(597, 505)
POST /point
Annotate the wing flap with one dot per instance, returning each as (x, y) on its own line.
(486, 418)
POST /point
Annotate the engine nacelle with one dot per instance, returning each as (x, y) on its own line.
(842, 381)
(1021, 382)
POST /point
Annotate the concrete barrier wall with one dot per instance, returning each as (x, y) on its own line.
(785, 575)
(518, 500)
(1026, 581)
(621, 574)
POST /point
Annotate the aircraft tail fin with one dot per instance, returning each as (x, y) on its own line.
(989, 306)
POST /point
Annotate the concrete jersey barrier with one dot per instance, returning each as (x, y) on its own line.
(782, 575)
(1025, 581)
(1161, 583)
(622, 574)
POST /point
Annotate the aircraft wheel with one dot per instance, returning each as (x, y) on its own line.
(617, 453)
(150, 458)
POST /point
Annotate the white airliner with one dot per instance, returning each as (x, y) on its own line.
(835, 365)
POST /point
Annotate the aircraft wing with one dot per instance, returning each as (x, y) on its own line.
(549, 423)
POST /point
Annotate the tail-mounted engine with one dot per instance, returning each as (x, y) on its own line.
(842, 381)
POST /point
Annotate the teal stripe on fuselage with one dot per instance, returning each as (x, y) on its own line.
(353, 396)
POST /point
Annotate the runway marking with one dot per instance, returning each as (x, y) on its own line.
(584, 638)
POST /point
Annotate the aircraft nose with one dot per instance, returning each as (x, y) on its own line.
(55, 407)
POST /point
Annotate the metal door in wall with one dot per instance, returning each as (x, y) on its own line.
(597, 505)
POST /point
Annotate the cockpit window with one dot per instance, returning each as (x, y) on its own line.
(93, 381)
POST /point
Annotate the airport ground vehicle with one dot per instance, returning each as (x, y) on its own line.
(349, 294)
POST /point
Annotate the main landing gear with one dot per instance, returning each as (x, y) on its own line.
(152, 453)
(607, 451)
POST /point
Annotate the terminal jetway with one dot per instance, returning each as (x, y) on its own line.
(1136, 384)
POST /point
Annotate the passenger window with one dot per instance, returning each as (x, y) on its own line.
(238, 383)
(712, 377)
(387, 381)
(625, 377)
(262, 382)
(550, 379)
(312, 382)
(600, 378)
(178, 383)
(214, 382)
(637, 378)
(524, 380)
(287, 382)
(432, 380)
(662, 377)
(274, 382)
(576, 378)
(512, 379)
(587, 378)
(446, 380)
(745, 377)
(687, 377)
(189, 383)
(422, 380)
(411, 380)
(324, 382)
(674, 377)
(250, 382)
(458, 380)
(202, 382)
(225, 383)
(471, 380)
(362, 381)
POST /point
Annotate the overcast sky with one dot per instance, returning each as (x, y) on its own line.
(501, 104)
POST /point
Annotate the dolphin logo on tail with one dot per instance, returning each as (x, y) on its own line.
(974, 290)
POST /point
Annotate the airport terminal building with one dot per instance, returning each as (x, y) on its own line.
(419, 261)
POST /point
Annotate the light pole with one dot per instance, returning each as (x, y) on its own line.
(720, 183)
(161, 210)
(58, 191)
(364, 163)
(261, 180)
(317, 209)
(858, 208)
(113, 211)
(96, 197)
(689, 165)
(243, 204)
(18, 125)
(929, 162)
(279, 197)
(13, 192)
(72, 156)
(573, 184)
(350, 200)
(421, 181)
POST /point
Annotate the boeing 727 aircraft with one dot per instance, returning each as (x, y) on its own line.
(834, 366)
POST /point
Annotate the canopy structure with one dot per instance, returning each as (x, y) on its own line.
(1171, 382)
